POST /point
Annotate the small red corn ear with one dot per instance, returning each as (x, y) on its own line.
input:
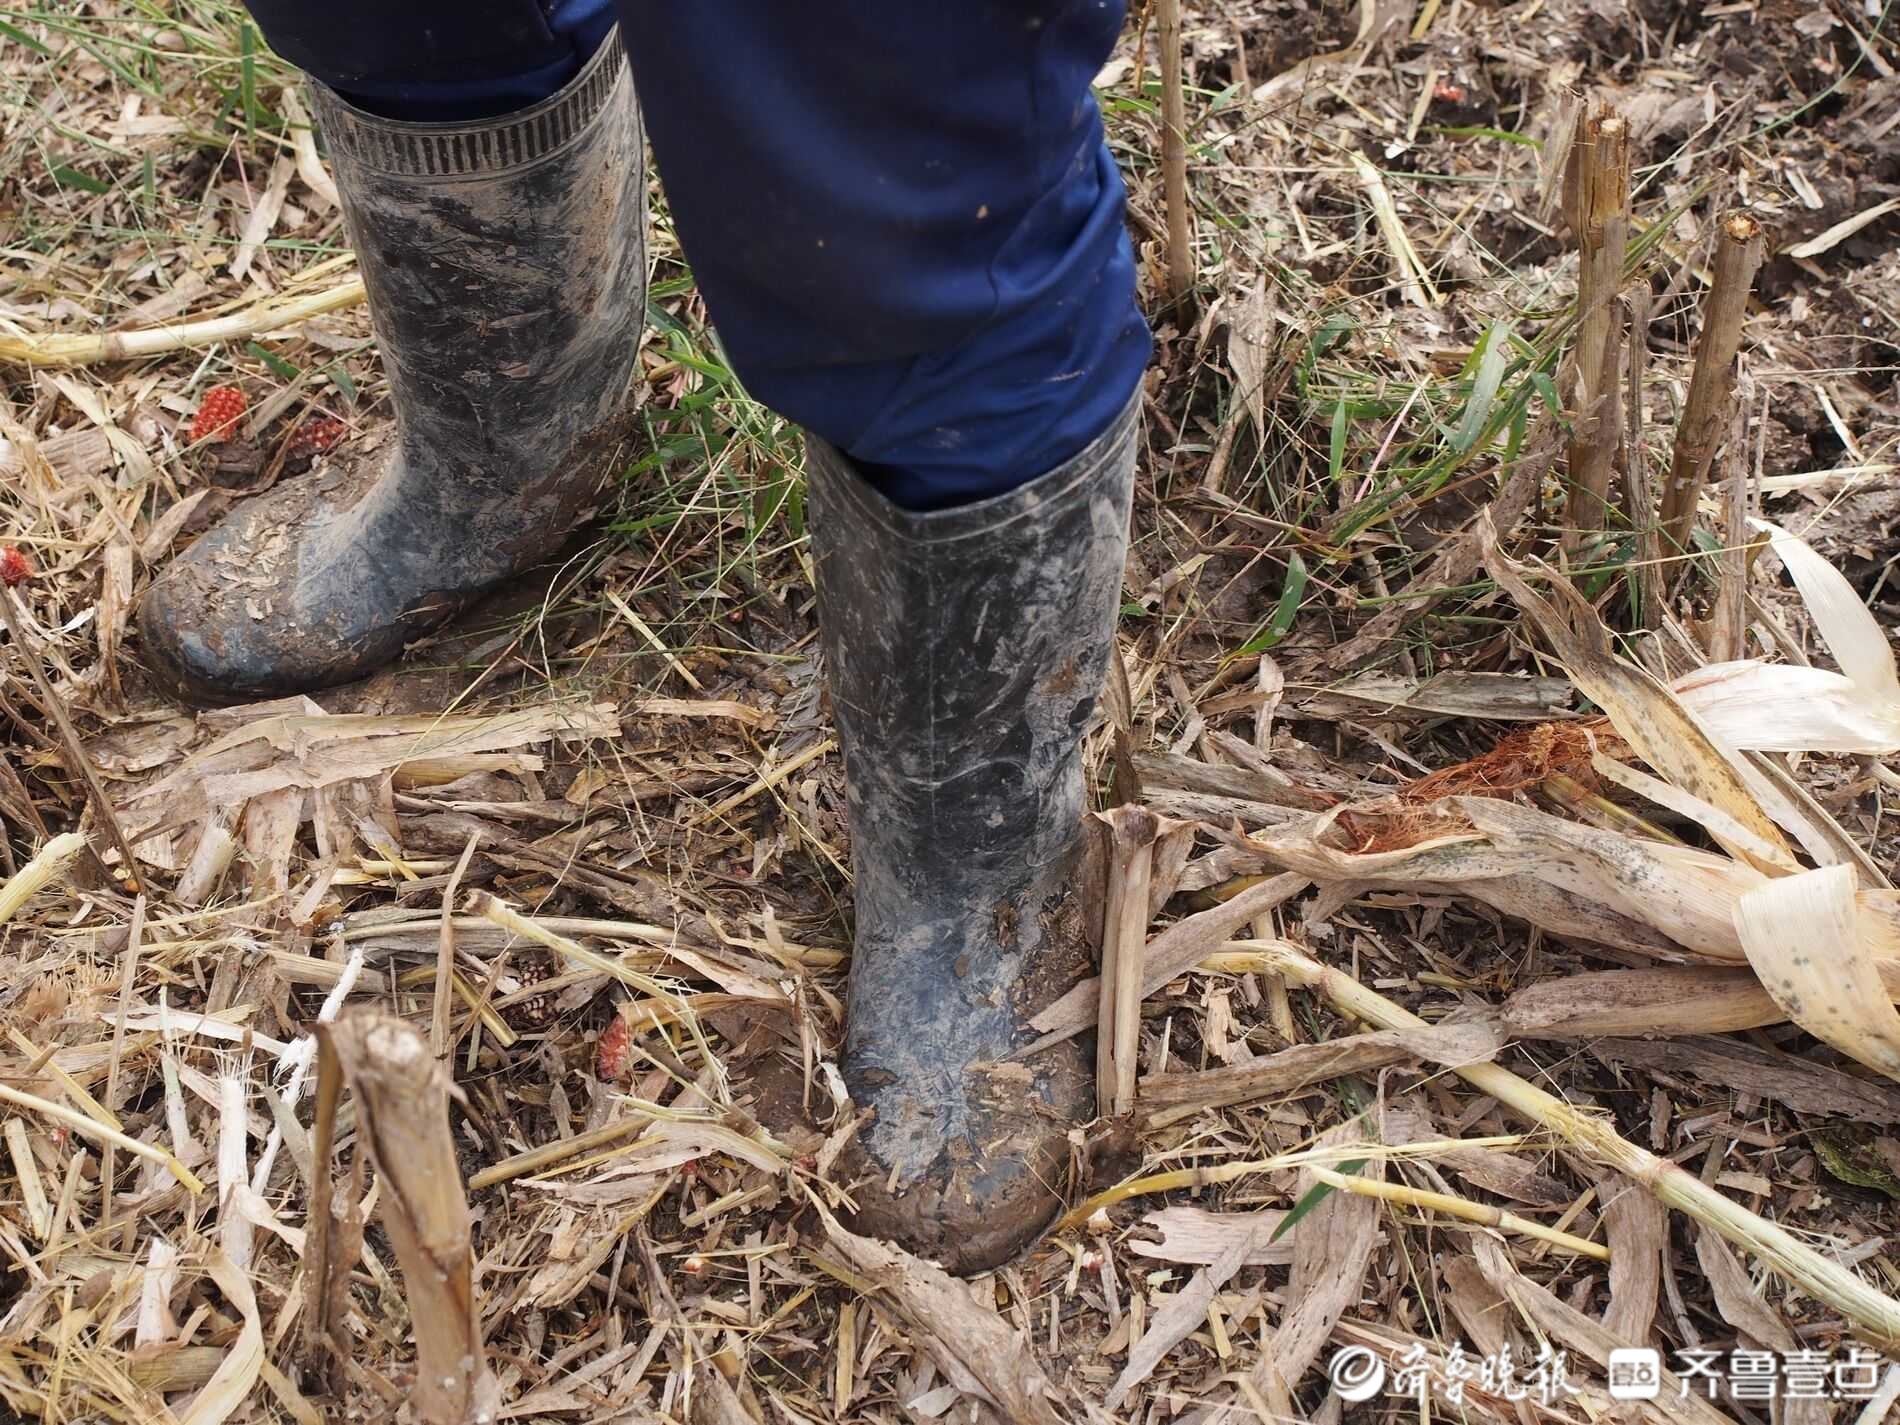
(15, 567)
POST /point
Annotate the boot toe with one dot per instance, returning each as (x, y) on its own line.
(237, 617)
(995, 1186)
(173, 637)
(966, 1220)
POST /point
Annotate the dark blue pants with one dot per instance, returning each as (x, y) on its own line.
(904, 218)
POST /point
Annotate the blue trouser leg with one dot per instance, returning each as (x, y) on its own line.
(436, 60)
(904, 219)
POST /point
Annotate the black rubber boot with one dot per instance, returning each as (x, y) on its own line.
(965, 651)
(506, 267)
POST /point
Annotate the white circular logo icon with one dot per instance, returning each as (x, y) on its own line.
(1356, 1372)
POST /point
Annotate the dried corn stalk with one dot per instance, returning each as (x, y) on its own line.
(402, 1115)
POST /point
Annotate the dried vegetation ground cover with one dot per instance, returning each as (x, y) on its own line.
(1500, 958)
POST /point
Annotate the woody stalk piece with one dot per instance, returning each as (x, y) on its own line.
(402, 1117)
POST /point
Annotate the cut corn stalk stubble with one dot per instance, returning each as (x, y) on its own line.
(1597, 196)
(1738, 252)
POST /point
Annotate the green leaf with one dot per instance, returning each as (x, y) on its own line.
(795, 509)
(1331, 332)
(1281, 618)
(22, 37)
(1494, 353)
(247, 74)
(1479, 131)
(1336, 451)
(1547, 391)
(282, 368)
(73, 178)
(1312, 1198)
(340, 376)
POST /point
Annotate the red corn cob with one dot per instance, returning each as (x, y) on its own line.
(218, 415)
(610, 1055)
(15, 567)
(316, 435)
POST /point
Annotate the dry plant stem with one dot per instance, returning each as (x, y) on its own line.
(1593, 451)
(1460, 1207)
(1640, 497)
(1738, 252)
(445, 953)
(61, 349)
(1170, 1098)
(553, 1155)
(88, 1128)
(52, 861)
(75, 753)
(1873, 1312)
(402, 1115)
(1598, 198)
(1213, 1174)
(1180, 947)
(1174, 154)
(42, 1062)
(1728, 620)
(1132, 832)
(319, 1337)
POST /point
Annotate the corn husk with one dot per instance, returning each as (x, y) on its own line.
(1776, 707)
(237, 1373)
(1803, 939)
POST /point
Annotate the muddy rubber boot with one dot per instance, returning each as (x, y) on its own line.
(965, 650)
(506, 265)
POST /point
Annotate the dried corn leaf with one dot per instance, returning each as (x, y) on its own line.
(1193, 1236)
(1180, 947)
(1501, 697)
(1168, 1098)
(1803, 1084)
(285, 749)
(1184, 1313)
(1481, 1310)
(1718, 823)
(231, 1384)
(1671, 999)
(1549, 1315)
(1332, 1247)
(1637, 1227)
(1570, 879)
(1489, 1168)
(1663, 733)
(1778, 708)
(1802, 935)
(972, 1346)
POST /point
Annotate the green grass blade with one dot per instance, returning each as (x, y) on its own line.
(1312, 1198)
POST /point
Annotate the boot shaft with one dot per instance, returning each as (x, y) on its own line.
(965, 650)
(505, 261)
